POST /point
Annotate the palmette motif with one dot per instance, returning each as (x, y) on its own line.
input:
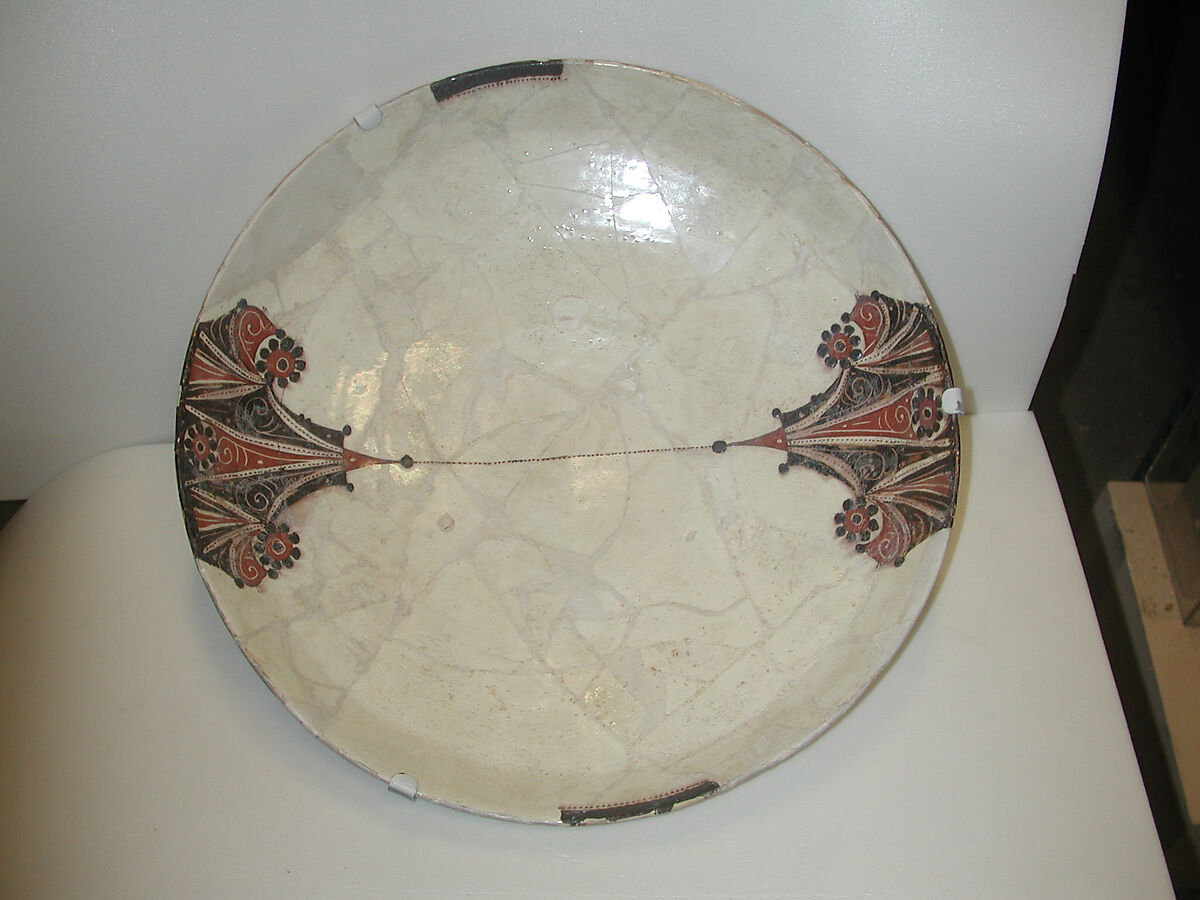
(879, 428)
(242, 456)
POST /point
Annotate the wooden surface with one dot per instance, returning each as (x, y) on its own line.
(1174, 647)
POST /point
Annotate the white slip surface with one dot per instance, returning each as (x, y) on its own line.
(142, 755)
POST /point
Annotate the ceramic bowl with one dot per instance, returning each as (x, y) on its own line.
(568, 445)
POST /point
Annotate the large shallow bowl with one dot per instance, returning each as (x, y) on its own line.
(640, 404)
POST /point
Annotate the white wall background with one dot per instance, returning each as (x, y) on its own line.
(136, 139)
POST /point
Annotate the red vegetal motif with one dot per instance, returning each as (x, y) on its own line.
(250, 326)
(244, 566)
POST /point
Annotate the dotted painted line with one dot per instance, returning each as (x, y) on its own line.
(408, 462)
